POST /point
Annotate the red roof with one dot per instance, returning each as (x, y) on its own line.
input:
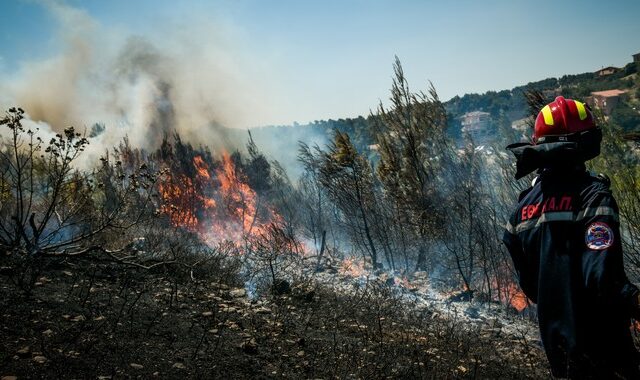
(608, 93)
(608, 68)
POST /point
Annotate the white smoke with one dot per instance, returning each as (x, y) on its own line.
(191, 78)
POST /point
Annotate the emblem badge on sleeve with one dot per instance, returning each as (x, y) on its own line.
(599, 236)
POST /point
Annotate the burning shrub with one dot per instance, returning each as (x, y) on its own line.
(210, 197)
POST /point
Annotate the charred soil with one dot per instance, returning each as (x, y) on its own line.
(91, 319)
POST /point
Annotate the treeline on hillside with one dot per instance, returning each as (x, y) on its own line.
(509, 105)
(504, 106)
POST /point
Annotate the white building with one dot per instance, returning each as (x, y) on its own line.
(476, 125)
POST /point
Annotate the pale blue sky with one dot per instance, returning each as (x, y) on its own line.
(332, 59)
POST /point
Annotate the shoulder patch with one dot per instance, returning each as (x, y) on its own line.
(599, 236)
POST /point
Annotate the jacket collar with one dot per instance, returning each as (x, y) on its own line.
(556, 157)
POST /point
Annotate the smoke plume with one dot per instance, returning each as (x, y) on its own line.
(189, 77)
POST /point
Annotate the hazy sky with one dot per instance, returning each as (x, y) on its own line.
(307, 60)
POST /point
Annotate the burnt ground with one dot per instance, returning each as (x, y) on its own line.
(89, 319)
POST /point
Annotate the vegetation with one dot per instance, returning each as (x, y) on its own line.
(504, 106)
(180, 261)
(129, 291)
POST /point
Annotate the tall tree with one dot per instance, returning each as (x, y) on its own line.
(414, 152)
(348, 179)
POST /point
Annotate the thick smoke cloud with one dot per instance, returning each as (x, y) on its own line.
(192, 79)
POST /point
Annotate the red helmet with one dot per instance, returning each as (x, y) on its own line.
(562, 117)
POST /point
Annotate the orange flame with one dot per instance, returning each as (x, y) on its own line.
(183, 199)
(352, 267)
(238, 196)
(175, 202)
(201, 167)
(220, 207)
(512, 293)
(405, 283)
(519, 301)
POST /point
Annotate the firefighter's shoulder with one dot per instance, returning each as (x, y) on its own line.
(603, 179)
(534, 182)
(598, 192)
(600, 183)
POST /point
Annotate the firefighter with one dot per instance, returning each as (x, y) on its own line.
(564, 240)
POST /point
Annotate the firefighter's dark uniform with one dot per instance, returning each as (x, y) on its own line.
(564, 239)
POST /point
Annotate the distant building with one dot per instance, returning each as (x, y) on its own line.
(523, 128)
(605, 100)
(476, 125)
(636, 57)
(607, 71)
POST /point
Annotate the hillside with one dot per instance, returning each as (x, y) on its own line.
(504, 107)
